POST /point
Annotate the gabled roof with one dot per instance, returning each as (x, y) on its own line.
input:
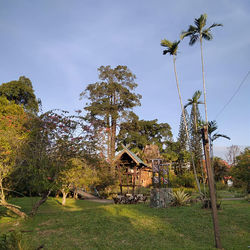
(135, 158)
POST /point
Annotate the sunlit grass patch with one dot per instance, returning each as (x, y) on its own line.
(89, 225)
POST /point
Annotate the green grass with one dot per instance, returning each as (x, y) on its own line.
(90, 225)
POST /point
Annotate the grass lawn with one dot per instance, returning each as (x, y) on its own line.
(89, 225)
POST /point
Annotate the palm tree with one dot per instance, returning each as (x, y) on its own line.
(195, 136)
(212, 126)
(196, 32)
(194, 102)
(172, 48)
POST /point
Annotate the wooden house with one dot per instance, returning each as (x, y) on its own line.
(132, 171)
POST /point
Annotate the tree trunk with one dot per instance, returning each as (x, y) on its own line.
(39, 203)
(2, 196)
(203, 79)
(13, 208)
(75, 194)
(186, 128)
(64, 197)
(113, 137)
(108, 139)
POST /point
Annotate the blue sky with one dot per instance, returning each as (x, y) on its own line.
(60, 44)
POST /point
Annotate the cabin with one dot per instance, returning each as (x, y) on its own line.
(132, 171)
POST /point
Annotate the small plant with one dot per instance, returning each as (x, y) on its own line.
(180, 198)
(11, 241)
(247, 197)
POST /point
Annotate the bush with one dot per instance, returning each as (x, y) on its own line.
(221, 186)
(11, 241)
(185, 180)
(240, 172)
(180, 198)
(247, 197)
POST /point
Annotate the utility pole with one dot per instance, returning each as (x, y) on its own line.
(211, 187)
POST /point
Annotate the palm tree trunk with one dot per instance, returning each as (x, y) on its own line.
(195, 117)
(186, 128)
(203, 79)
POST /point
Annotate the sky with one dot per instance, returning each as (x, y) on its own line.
(59, 45)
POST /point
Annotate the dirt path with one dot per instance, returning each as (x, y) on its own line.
(90, 197)
(232, 199)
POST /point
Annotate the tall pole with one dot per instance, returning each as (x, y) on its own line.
(211, 187)
(186, 127)
(203, 79)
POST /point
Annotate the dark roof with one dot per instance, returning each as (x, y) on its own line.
(136, 159)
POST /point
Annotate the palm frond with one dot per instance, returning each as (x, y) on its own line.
(166, 51)
(216, 136)
(196, 95)
(191, 30)
(175, 47)
(166, 43)
(193, 39)
(207, 35)
(185, 34)
(190, 102)
(200, 102)
(212, 126)
(215, 25)
(172, 46)
(201, 22)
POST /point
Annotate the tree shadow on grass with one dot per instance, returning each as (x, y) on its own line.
(92, 225)
(195, 224)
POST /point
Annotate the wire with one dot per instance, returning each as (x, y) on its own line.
(237, 90)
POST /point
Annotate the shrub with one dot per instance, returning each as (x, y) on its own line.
(247, 197)
(180, 198)
(221, 186)
(185, 180)
(11, 241)
(188, 180)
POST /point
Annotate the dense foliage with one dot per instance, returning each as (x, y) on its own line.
(241, 170)
(110, 100)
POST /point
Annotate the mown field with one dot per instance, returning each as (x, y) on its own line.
(89, 225)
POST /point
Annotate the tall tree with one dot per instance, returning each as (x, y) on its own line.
(172, 48)
(198, 32)
(182, 136)
(195, 137)
(110, 100)
(13, 134)
(22, 92)
(55, 138)
(181, 146)
(194, 102)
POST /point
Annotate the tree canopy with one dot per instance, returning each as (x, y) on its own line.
(21, 92)
(139, 133)
(110, 100)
